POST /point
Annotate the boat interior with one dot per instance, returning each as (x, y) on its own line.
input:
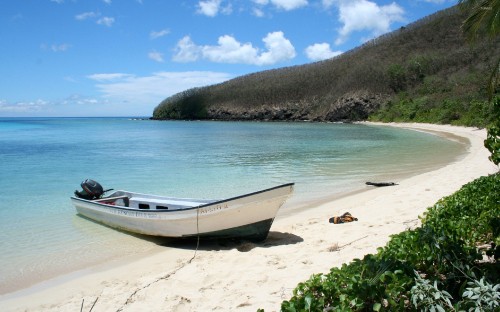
(148, 202)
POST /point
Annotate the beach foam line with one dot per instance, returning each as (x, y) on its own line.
(245, 277)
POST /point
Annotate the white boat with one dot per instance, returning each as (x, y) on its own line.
(248, 216)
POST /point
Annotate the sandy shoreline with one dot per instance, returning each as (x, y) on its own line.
(248, 276)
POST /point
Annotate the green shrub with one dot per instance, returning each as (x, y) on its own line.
(426, 296)
(370, 283)
(422, 108)
(443, 250)
(481, 296)
(492, 142)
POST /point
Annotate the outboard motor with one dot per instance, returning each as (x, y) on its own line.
(90, 190)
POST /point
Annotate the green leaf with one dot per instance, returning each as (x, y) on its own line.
(308, 301)
(377, 306)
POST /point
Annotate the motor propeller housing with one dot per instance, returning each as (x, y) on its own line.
(90, 190)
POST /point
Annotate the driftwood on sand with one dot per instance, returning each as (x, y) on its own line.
(378, 184)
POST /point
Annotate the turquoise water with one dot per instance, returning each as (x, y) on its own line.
(43, 160)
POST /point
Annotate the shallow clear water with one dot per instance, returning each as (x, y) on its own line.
(43, 160)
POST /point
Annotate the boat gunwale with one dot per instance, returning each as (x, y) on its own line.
(182, 209)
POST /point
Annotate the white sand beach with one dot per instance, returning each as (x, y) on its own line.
(245, 277)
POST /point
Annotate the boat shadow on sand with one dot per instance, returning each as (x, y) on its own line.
(273, 239)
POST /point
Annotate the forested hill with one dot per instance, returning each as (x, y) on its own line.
(415, 72)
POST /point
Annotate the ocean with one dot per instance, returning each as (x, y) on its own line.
(44, 160)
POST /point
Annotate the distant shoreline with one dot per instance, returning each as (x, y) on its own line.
(261, 276)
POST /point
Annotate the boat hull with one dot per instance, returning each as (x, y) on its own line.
(248, 216)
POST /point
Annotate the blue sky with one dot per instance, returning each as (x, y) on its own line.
(123, 57)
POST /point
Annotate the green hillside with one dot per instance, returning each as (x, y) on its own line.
(425, 71)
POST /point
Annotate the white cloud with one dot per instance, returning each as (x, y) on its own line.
(81, 105)
(106, 21)
(80, 100)
(289, 5)
(229, 50)
(258, 12)
(86, 15)
(151, 90)
(158, 34)
(278, 49)
(63, 47)
(364, 15)
(109, 77)
(156, 56)
(107, 1)
(60, 47)
(320, 51)
(227, 10)
(29, 107)
(209, 7)
(328, 3)
(186, 51)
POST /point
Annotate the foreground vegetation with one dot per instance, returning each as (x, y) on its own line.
(449, 263)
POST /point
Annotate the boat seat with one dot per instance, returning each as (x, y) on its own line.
(165, 202)
(112, 199)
